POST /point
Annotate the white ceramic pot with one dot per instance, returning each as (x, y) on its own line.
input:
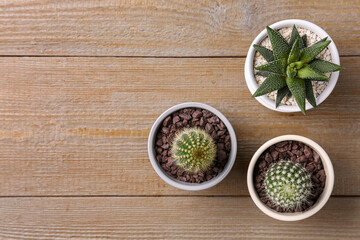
(185, 185)
(329, 184)
(249, 69)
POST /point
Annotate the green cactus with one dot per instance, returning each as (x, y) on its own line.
(292, 66)
(288, 184)
(193, 150)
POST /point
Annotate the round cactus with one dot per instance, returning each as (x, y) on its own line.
(288, 184)
(193, 150)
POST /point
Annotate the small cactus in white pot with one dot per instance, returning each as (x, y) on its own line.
(288, 184)
(193, 150)
(290, 188)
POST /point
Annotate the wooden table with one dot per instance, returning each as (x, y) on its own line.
(83, 81)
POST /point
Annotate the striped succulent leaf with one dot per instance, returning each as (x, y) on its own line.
(281, 47)
(309, 93)
(309, 53)
(272, 83)
(266, 53)
(324, 66)
(276, 66)
(281, 93)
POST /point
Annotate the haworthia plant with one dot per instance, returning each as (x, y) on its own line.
(292, 66)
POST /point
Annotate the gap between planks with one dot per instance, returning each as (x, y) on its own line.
(147, 196)
(109, 56)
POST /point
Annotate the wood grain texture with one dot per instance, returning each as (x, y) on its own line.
(79, 126)
(168, 218)
(162, 28)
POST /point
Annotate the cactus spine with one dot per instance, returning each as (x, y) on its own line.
(193, 150)
(288, 184)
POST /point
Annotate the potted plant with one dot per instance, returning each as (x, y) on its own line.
(192, 146)
(290, 178)
(290, 62)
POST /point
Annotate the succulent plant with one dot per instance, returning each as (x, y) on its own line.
(193, 150)
(288, 184)
(292, 66)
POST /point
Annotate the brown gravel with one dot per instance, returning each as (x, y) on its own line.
(297, 152)
(188, 118)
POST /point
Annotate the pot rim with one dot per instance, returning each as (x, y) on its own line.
(185, 185)
(324, 197)
(249, 73)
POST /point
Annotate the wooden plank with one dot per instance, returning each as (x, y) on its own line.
(168, 218)
(162, 28)
(79, 126)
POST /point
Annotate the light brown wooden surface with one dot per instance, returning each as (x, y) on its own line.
(79, 126)
(168, 218)
(162, 28)
(74, 118)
